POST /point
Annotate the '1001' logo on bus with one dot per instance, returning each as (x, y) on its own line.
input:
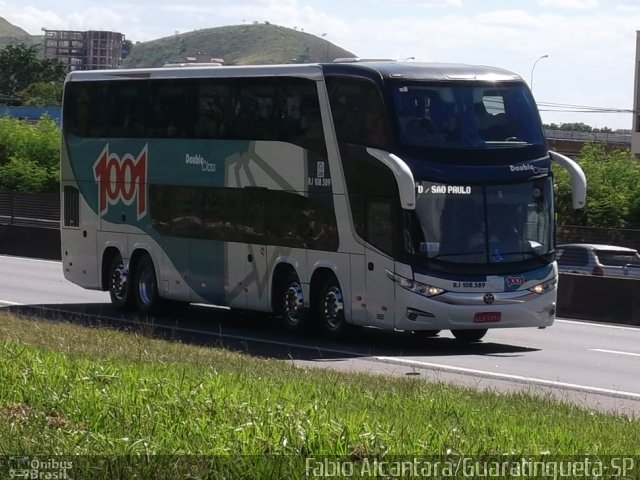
(121, 180)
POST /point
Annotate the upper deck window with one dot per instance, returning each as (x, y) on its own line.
(358, 112)
(277, 109)
(466, 115)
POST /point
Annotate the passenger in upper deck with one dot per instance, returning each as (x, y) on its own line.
(435, 123)
(492, 127)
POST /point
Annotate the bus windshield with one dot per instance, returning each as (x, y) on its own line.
(466, 116)
(482, 224)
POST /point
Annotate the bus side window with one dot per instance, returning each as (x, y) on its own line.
(172, 116)
(254, 111)
(77, 109)
(358, 111)
(380, 231)
(301, 121)
(129, 119)
(213, 108)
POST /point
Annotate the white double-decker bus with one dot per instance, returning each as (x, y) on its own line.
(405, 196)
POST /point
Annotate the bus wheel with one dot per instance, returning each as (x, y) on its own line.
(291, 303)
(146, 286)
(119, 285)
(330, 309)
(469, 336)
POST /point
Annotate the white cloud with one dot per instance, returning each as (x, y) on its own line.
(33, 19)
(591, 52)
(99, 18)
(625, 7)
(426, 3)
(578, 4)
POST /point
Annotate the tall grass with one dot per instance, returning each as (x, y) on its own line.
(71, 390)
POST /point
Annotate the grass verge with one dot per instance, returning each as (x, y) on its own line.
(117, 401)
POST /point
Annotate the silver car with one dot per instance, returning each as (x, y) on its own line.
(597, 259)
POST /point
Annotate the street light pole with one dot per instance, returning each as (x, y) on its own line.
(533, 68)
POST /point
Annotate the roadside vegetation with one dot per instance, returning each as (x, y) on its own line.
(29, 155)
(137, 403)
(613, 190)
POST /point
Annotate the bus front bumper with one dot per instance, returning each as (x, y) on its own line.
(452, 311)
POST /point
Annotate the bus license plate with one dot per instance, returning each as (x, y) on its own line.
(487, 317)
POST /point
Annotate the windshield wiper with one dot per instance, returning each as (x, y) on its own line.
(481, 252)
(533, 253)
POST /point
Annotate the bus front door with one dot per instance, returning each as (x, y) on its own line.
(380, 289)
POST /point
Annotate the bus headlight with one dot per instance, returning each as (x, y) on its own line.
(413, 286)
(543, 287)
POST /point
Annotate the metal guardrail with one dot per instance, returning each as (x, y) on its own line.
(619, 138)
(30, 209)
(611, 236)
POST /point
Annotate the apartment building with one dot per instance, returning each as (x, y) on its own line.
(635, 137)
(90, 50)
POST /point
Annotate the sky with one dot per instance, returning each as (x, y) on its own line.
(573, 53)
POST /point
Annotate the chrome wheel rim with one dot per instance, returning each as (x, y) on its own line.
(333, 308)
(146, 287)
(119, 282)
(293, 303)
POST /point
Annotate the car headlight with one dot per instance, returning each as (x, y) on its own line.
(413, 286)
(543, 287)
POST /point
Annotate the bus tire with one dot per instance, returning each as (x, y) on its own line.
(119, 284)
(330, 309)
(469, 336)
(290, 303)
(426, 333)
(146, 286)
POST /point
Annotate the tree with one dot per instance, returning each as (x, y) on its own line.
(576, 127)
(29, 155)
(127, 45)
(613, 192)
(42, 94)
(21, 67)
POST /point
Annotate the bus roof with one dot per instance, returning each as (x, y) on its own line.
(203, 71)
(423, 71)
(384, 69)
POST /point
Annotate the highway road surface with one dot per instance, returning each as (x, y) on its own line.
(591, 364)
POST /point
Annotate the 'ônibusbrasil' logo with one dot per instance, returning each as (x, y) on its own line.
(121, 180)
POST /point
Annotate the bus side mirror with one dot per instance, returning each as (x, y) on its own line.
(403, 175)
(578, 179)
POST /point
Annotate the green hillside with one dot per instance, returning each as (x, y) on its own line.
(8, 30)
(237, 45)
(10, 34)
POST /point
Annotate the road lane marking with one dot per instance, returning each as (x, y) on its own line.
(508, 376)
(601, 325)
(616, 352)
